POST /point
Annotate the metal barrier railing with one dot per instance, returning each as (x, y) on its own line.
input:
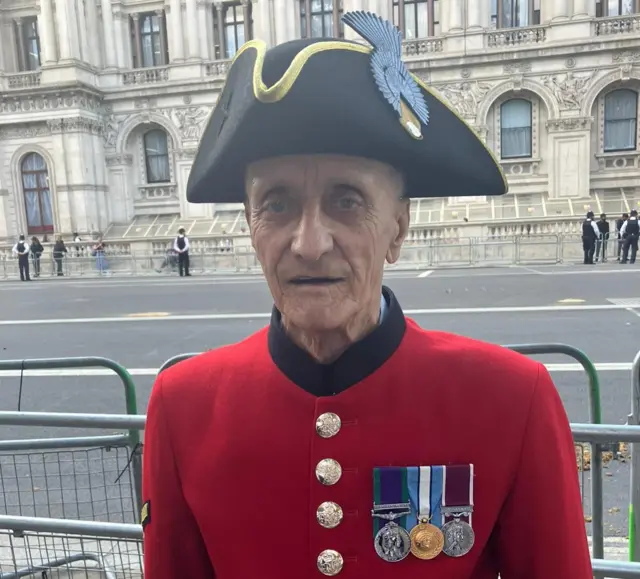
(70, 535)
(85, 475)
(634, 503)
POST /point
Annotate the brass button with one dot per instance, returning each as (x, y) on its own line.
(328, 424)
(328, 471)
(329, 515)
(330, 562)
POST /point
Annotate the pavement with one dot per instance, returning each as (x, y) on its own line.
(140, 323)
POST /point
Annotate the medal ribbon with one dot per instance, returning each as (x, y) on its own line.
(389, 488)
(458, 490)
(425, 493)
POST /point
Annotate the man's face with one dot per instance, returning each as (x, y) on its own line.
(322, 228)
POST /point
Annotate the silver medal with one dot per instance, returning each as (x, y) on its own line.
(392, 543)
(458, 538)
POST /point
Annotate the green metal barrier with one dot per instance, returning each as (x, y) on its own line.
(595, 416)
(129, 395)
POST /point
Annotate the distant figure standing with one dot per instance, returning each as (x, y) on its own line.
(59, 251)
(181, 247)
(603, 228)
(36, 253)
(630, 232)
(590, 234)
(619, 223)
(21, 249)
(98, 252)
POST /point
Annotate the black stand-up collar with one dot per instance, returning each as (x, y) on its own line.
(359, 361)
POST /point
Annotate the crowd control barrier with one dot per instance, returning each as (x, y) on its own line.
(88, 477)
(30, 545)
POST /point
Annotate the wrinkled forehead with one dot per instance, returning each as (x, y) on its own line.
(316, 170)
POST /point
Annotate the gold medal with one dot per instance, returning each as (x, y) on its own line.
(427, 541)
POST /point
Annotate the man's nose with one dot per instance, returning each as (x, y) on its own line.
(312, 238)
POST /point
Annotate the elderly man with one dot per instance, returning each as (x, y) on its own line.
(344, 439)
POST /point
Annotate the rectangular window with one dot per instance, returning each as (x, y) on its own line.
(515, 13)
(149, 41)
(321, 19)
(417, 18)
(233, 26)
(28, 43)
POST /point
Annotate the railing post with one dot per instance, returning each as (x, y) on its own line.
(634, 505)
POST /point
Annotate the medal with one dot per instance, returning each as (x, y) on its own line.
(457, 510)
(391, 507)
(392, 543)
(425, 490)
(458, 538)
(427, 541)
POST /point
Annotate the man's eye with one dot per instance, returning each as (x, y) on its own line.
(347, 203)
(276, 206)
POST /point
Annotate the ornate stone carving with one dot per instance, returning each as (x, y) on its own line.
(75, 125)
(25, 131)
(112, 160)
(516, 67)
(77, 99)
(570, 62)
(465, 73)
(568, 88)
(185, 154)
(625, 56)
(110, 131)
(569, 124)
(190, 121)
(464, 96)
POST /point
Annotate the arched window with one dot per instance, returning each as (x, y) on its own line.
(515, 129)
(37, 196)
(620, 120)
(156, 154)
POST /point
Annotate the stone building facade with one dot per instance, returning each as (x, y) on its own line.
(102, 102)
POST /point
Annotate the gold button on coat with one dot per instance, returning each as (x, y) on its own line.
(328, 424)
(329, 515)
(328, 471)
(330, 562)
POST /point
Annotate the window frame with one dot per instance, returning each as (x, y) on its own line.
(220, 27)
(42, 228)
(532, 123)
(138, 35)
(305, 10)
(602, 9)
(399, 18)
(146, 156)
(26, 38)
(603, 111)
(497, 13)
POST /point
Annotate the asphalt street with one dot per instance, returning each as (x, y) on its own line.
(140, 323)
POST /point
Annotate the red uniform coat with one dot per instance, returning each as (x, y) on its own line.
(231, 449)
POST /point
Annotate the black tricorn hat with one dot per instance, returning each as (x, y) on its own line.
(329, 96)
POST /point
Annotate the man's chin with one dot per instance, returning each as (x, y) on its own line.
(317, 318)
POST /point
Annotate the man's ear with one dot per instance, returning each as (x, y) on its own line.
(403, 218)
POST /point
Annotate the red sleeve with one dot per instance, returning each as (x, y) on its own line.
(173, 546)
(541, 529)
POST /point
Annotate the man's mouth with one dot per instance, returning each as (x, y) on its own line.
(319, 280)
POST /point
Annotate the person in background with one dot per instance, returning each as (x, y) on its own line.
(36, 253)
(181, 247)
(98, 252)
(78, 248)
(619, 223)
(21, 249)
(603, 228)
(630, 232)
(59, 251)
(590, 234)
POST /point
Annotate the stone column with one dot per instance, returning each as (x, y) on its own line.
(247, 15)
(64, 42)
(176, 31)
(192, 27)
(584, 9)
(222, 53)
(454, 16)
(122, 36)
(22, 56)
(47, 32)
(92, 31)
(551, 10)
(138, 40)
(163, 36)
(204, 17)
(110, 55)
(478, 14)
(82, 31)
(74, 33)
